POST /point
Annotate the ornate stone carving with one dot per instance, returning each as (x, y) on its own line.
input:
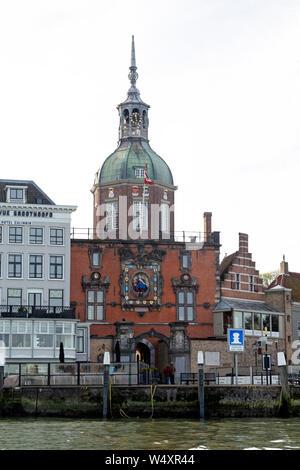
(185, 281)
(95, 283)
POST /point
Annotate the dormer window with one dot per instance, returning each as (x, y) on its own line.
(16, 194)
(139, 172)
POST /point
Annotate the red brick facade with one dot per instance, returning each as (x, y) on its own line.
(239, 277)
(161, 325)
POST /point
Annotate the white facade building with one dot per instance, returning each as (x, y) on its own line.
(35, 313)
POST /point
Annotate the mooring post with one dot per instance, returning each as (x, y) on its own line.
(1, 377)
(106, 364)
(200, 384)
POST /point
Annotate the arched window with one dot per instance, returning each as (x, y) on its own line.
(136, 121)
(125, 123)
(145, 124)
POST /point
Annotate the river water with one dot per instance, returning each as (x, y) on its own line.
(147, 434)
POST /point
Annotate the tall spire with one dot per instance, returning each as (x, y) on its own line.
(133, 75)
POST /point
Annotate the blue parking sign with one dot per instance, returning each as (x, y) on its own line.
(235, 340)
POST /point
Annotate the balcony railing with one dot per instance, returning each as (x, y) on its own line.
(177, 236)
(29, 311)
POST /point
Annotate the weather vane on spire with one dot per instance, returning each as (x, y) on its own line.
(133, 75)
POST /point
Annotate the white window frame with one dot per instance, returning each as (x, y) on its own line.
(165, 217)
(139, 172)
(63, 268)
(22, 232)
(63, 236)
(29, 256)
(112, 214)
(43, 235)
(16, 200)
(14, 254)
(140, 216)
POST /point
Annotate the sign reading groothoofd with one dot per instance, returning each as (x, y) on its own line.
(235, 340)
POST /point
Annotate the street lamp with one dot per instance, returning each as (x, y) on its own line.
(200, 384)
(106, 364)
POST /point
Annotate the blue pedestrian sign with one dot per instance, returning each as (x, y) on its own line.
(235, 340)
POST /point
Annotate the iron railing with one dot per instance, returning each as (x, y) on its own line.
(29, 311)
(126, 373)
(176, 236)
(75, 373)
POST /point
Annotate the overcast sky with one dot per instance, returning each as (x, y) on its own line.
(223, 82)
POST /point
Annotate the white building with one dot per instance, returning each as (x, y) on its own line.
(35, 313)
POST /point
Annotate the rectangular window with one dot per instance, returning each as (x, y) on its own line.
(21, 334)
(257, 322)
(80, 340)
(43, 334)
(248, 322)
(14, 266)
(15, 235)
(65, 334)
(16, 194)
(139, 172)
(35, 267)
(14, 297)
(56, 298)
(185, 305)
(35, 299)
(56, 267)
(56, 236)
(111, 216)
(1, 234)
(185, 260)
(275, 325)
(140, 216)
(0, 265)
(266, 321)
(237, 319)
(165, 217)
(4, 332)
(96, 259)
(251, 287)
(237, 281)
(36, 236)
(95, 255)
(95, 305)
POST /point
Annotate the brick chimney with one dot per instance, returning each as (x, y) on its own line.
(243, 242)
(207, 226)
(284, 266)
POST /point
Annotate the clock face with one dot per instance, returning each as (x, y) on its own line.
(136, 118)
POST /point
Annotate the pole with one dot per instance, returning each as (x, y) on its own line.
(1, 377)
(105, 390)
(201, 391)
(236, 368)
(130, 346)
(266, 356)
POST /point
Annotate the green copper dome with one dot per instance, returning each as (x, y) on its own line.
(132, 155)
(128, 161)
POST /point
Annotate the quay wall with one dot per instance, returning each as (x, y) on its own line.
(161, 401)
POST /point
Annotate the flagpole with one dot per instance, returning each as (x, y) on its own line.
(144, 197)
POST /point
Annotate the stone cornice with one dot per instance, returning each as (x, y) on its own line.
(131, 182)
(37, 207)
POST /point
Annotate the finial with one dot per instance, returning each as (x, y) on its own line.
(133, 64)
(133, 75)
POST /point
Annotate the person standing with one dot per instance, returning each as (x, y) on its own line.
(167, 374)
